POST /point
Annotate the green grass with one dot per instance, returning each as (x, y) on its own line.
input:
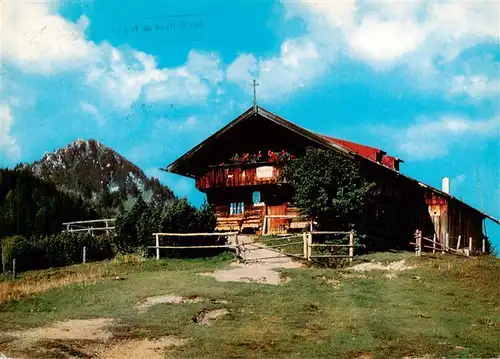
(435, 309)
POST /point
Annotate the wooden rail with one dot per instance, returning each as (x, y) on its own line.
(289, 217)
(444, 248)
(307, 242)
(308, 245)
(219, 234)
(88, 226)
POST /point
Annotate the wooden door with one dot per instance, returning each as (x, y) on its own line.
(276, 225)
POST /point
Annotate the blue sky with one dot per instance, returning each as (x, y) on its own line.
(418, 79)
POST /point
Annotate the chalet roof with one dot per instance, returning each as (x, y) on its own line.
(350, 149)
(372, 153)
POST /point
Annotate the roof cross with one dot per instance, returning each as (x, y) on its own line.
(254, 85)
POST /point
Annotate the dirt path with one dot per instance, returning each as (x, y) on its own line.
(261, 267)
(83, 338)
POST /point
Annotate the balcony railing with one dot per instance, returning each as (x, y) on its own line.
(232, 176)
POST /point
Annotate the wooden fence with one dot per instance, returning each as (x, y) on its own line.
(290, 223)
(92, 226)
(308, 237)
(219, 234)
(463, 247)
(241, 248)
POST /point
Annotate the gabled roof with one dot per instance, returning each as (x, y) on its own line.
(253, 111)
(348, 148)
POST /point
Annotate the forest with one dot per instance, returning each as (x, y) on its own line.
(32, 212)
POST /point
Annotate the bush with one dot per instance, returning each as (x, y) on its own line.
(53, 251)
(180, 217)
(126, 226)
(28, 255)
(135, 228)
(67, 248)
(328, 188)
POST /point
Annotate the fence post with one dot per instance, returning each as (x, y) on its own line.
(351, 246)
(84, 254)
(107, 230)
(157, 246)
(470, 245)
(309, 246)
(443, 245)
(419, 243)
(304, 249)
(238, 254)
(415, 236)
(434, 238)
(447, 242)
(13, 269)
(458, 242)
(484, 245)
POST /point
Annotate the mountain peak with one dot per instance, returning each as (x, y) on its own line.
(94, 171)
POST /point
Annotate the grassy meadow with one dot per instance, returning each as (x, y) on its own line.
(443, 307)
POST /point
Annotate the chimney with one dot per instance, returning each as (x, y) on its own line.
(445, 186)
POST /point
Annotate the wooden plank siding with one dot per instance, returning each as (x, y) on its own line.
(220, 177)
(253, 218)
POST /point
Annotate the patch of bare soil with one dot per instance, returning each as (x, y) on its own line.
(394, 266)
(173, 299)
(83, 329)
(364, 356)
(258, 270)
(84, 338)
(139, 349)
(207, 317)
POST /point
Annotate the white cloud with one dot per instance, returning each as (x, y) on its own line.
(38, 40)
(205, 65)
(124, 76)
(242, 70)
(381, 32)
(422, 35)
(428, 139)
(385, 41)
(476, 87)
(93, 112)
(8, 145)
(298, 63)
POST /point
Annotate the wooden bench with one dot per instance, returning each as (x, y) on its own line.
(299, 225)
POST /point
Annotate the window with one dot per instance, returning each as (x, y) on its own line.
(256, 197)
(236, 208)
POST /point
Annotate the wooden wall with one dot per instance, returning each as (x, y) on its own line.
(276, 200)
(223, 176)
(406, 206)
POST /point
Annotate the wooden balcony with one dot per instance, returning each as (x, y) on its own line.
(233, 176)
